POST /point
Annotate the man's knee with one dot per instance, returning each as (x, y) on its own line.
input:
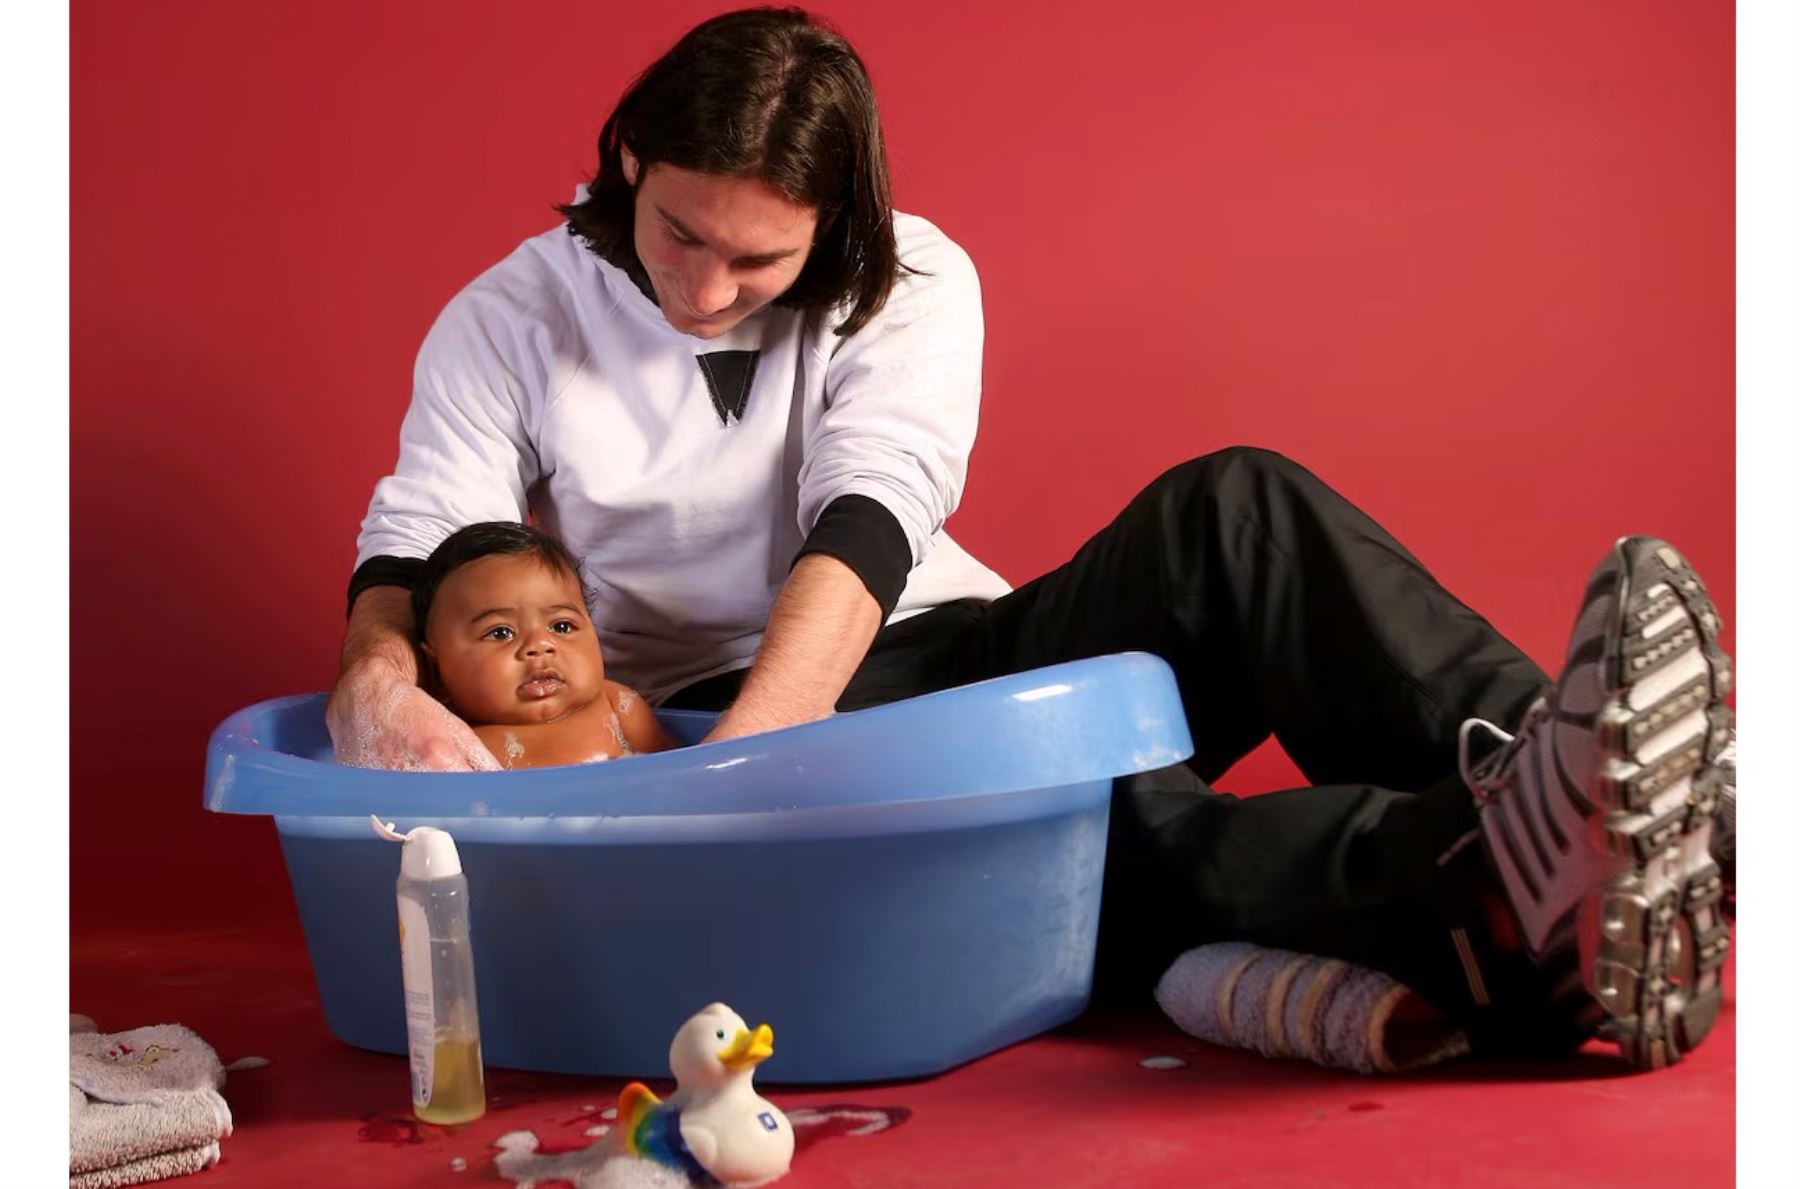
(1234, 468)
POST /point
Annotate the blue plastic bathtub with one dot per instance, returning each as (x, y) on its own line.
(897, 890)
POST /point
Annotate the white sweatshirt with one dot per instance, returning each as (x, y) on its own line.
(552, 381)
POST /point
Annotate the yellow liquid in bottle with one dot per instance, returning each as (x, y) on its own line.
(458, 1093)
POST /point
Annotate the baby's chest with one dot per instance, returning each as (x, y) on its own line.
(582, 738)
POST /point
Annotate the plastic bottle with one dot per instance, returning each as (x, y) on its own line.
(437, 967)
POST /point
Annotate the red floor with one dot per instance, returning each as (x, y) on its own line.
(1072, 1109)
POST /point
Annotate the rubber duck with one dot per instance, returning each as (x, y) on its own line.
(714, 1127)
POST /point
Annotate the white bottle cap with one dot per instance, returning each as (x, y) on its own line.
(429, 853)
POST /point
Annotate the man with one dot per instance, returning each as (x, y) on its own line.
(743, 392)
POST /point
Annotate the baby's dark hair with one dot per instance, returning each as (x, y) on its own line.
(485, 540)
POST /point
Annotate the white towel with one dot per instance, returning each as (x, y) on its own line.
(143, 1065)
(143, 1105)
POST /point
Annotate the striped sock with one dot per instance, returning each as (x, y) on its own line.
(1283, 1004)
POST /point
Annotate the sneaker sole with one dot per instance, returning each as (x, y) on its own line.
(1652, 938)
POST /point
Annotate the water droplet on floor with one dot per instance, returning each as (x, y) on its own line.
(1163, 1063)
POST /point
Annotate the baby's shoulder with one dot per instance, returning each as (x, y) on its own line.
(621, 697)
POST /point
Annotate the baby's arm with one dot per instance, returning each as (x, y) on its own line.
(639, 723)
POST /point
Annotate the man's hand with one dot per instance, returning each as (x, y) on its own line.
(819, 631)
(735, 724)
(378, 716)
(380, 719)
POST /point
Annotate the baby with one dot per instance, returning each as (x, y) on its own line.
(506, 634)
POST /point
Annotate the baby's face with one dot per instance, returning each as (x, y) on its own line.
(513, 642)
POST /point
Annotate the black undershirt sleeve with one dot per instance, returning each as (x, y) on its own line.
(383, 571)
(864, 535)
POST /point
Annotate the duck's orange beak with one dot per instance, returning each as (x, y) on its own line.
(748, 1049)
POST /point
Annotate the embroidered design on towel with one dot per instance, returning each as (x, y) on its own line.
(124, 1054)
(729, 375)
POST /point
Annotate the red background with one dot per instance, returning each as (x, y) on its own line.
(1470, 262)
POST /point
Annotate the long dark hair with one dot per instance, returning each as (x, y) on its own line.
(773, 94)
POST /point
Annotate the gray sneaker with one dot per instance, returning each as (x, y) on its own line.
(1598, 815)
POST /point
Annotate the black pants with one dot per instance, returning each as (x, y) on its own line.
(1285, 610)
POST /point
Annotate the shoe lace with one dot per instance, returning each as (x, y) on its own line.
(1484, 779)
